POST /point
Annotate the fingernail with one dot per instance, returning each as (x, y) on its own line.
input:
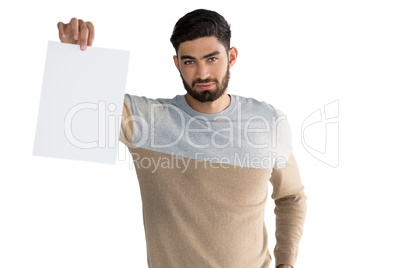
(76, 37)
(83, 47)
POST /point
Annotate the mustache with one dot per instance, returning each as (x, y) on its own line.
(204, 81)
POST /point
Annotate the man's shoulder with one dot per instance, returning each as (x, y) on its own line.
(142, 102)
(255, 106)
(138, 98)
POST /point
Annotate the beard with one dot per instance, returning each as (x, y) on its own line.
(207, 95)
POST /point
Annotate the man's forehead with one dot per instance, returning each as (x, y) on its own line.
(200, 47)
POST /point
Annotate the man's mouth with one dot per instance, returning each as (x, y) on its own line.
(205, 86)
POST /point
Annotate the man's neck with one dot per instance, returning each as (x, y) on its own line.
(211, 107)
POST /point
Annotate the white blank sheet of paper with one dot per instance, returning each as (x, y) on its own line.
(81, 103)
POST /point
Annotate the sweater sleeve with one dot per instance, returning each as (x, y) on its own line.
(138, 116)
(289, 196)
(290, 211)
(127, 125)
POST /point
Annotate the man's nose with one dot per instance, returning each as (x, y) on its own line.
(203, 71)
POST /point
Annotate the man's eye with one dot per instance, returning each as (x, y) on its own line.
(188, 62)
(212, 59)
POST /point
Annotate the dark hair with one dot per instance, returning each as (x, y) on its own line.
(201, 23)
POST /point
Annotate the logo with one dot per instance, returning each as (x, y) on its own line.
(320, 134)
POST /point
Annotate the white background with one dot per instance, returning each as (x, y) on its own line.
(297, 55)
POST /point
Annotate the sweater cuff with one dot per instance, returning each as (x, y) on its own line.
(283, 258)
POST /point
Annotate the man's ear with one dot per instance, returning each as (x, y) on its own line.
(176, 62)
(232, 56)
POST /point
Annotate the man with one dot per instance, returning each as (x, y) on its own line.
(203, 159)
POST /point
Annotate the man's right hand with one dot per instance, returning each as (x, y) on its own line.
(77, 32)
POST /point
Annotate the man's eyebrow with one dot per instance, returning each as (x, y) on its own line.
(211, 54)
(185, 57)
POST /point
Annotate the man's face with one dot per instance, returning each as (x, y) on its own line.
(204, 68)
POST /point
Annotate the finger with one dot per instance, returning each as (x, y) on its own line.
(83, 34)
(91, 29)
(74, 28)
(60, 26)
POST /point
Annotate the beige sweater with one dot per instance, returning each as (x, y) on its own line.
(204, 182)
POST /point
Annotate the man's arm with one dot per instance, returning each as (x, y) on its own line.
(127, 123)
(290, 210)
